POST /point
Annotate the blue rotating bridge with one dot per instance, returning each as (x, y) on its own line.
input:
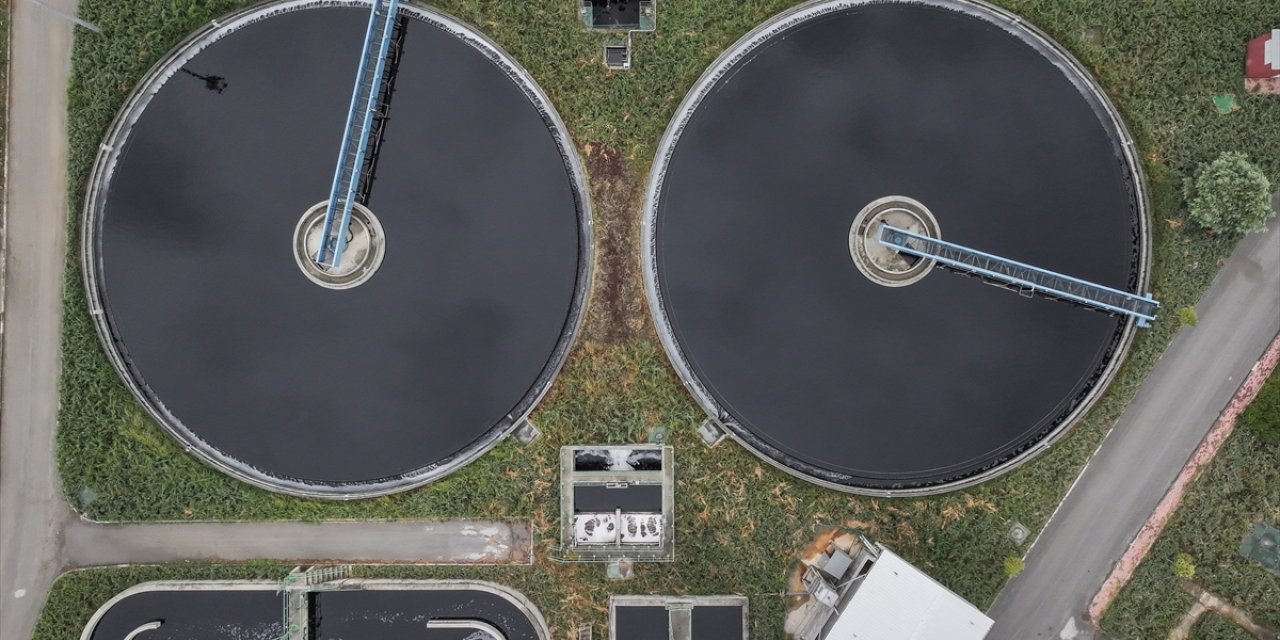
(1020, 276)
(362, 134)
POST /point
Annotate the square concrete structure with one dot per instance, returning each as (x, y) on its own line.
(1262, 544)
(617, 502)
(624, 15)
(619, 17)
(678, 618)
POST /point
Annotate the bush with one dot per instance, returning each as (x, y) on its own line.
(1262, 417)
(1187, 316)
(1013, 565)
(1230, 195)
(1183, 566)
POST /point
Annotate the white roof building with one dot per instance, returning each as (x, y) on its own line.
(896, 601)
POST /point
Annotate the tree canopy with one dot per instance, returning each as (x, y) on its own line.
(1229, 194)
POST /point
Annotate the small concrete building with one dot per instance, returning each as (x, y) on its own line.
(678, 618)
(617, 503)
(873, 594)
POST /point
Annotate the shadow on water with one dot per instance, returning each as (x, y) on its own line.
(217, 84)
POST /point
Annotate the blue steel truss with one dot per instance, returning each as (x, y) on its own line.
(355, 138)
(1023, 276)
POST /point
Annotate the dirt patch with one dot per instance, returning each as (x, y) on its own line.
(806, 556)
(800, 606)
(616, 312)
(826, 538)
(1207, 601)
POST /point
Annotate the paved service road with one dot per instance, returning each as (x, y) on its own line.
(1177, 405)
(32, 511)
(416, 542)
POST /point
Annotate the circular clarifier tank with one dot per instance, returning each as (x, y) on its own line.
(865, 370)
(443, 323)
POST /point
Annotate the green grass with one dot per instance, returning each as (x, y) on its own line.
(1262, 416)
(1241, 485)
(737, 518)
(1215, 627)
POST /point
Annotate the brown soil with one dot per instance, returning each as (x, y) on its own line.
(1207, 601)
(616, 312)
(809, 555)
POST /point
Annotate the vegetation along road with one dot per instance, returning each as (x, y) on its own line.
(1146, 449)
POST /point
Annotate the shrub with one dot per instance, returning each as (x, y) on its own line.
(1013, 565)
(1262, 417)
(1183, 566)
(1229, 195)
(1187, 316)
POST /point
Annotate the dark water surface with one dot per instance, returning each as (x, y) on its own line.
(717, 623)
(336, 615)
(634, 498)
(403, 615)
(642, 623)
(303, 382)
(887, 385)
(195, 615)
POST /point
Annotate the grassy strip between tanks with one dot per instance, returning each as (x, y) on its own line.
(737, 517)
(1241, 485)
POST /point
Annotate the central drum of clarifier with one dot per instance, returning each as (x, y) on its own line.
(879, 263)
(366, 243)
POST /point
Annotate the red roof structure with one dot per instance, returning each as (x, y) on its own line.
(1262, 64)
(1262, 58)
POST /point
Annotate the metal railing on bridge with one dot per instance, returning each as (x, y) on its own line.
(365, 100)
(1023, 276)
